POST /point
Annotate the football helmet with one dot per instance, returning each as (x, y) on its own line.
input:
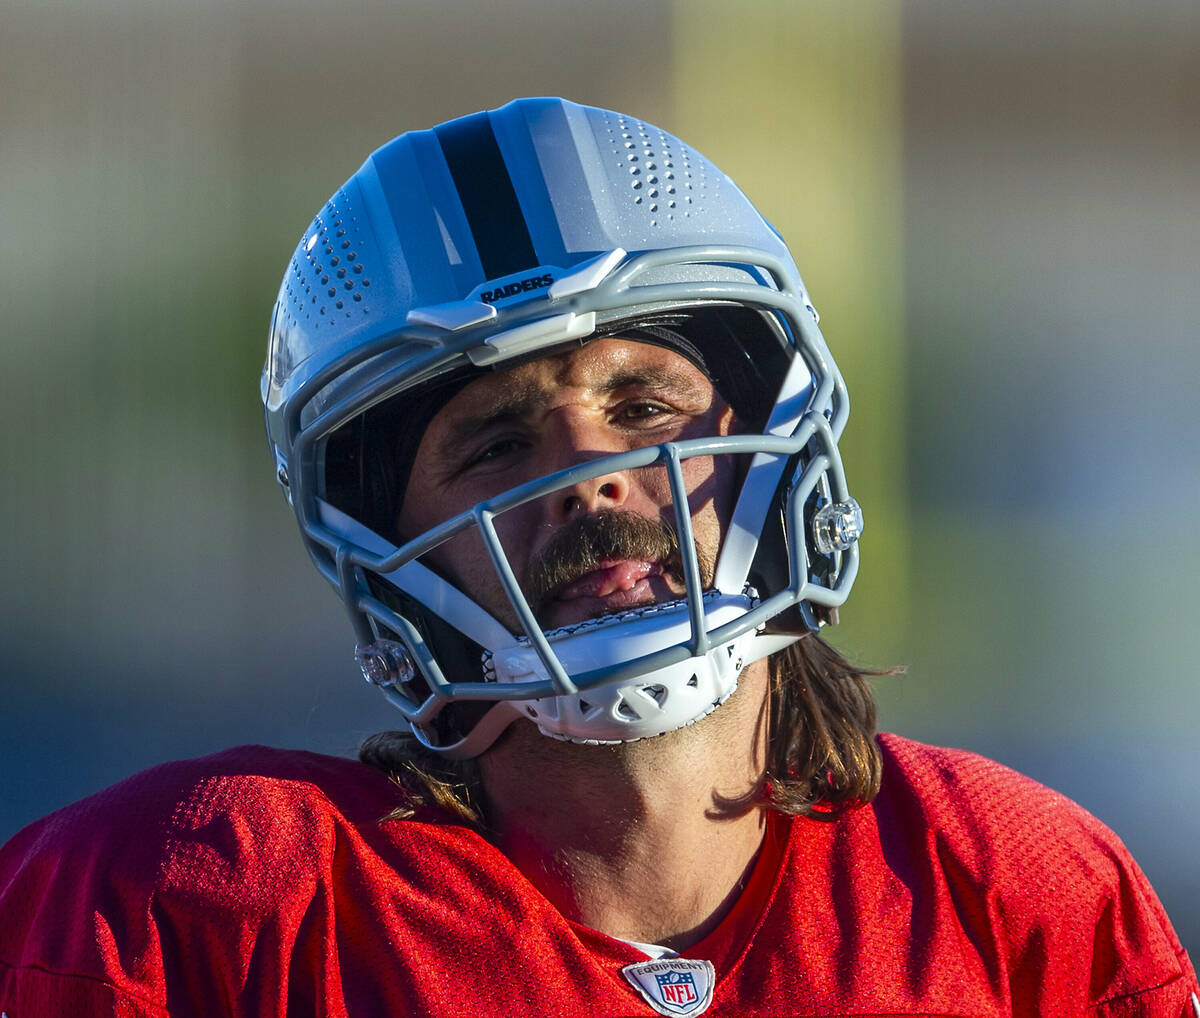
(503, 236)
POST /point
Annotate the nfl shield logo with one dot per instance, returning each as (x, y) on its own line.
(676, 987)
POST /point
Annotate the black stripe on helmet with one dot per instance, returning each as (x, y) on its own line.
(487, 195)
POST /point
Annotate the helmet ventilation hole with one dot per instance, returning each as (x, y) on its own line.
(656, 693)
(330, 241)
(655, 161)
(627, 712)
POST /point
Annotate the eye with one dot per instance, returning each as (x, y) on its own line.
(642, 410)
(495, 451)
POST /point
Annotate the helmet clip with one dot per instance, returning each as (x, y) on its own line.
(836, 526)
(385, 663)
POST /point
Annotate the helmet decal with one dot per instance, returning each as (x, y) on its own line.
(486, 191)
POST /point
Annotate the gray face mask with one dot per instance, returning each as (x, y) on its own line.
(368, 462)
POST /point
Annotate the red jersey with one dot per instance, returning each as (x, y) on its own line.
(262, 883)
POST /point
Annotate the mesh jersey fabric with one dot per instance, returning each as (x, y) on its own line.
(263, 882)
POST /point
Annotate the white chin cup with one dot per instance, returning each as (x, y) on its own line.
(655, 702)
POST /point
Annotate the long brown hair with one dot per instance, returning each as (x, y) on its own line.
(821, 752)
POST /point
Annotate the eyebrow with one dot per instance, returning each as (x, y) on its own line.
(514, 404)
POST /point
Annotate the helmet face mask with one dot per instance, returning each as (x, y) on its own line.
(455, 671)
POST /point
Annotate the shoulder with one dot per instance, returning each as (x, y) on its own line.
(250, 795)
(1025, 863)
(967, 792)
(204, 882)
(993, 824)
(228, 818)
(206, 850)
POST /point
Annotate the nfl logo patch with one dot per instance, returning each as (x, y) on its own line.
(676, 987)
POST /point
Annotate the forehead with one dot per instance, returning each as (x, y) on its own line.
(601, 362)
(598, 368)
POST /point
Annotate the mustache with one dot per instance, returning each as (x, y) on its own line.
(587, 541)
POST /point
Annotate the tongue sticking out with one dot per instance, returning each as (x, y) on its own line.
(612, 577)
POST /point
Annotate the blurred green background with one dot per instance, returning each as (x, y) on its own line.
(996, 208)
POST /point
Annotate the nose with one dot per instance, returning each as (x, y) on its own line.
(577, 442)
(608, 491)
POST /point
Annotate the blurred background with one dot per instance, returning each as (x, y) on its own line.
(996, 208)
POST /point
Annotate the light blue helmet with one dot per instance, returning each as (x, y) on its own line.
(500, 236)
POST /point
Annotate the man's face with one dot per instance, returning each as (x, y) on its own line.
(502, 430)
